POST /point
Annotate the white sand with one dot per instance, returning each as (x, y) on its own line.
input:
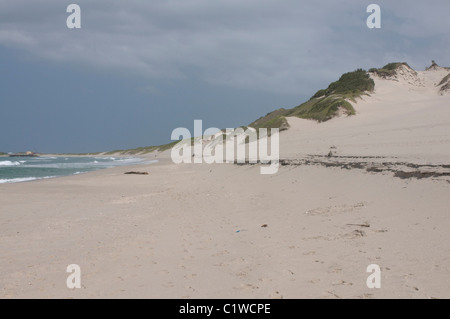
(194, 231)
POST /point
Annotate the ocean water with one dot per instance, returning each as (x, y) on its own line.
(22, 169)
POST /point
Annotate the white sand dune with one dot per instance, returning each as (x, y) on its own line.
(194, 230)
(405, 117)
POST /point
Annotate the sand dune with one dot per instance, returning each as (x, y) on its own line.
(405, 117)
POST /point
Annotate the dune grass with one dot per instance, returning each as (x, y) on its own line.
(322, 109)
(138, 150)
(325, 103)
(275, 119)
(388, 70)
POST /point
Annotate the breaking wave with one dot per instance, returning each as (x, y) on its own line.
(9, 163)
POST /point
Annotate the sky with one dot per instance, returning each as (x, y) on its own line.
(136, 70)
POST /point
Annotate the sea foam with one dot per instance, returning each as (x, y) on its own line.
(9, 163)
(17, 180)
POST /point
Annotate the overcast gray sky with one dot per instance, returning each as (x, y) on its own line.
(136, 70)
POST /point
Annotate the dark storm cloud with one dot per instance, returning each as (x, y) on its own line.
(253, 44)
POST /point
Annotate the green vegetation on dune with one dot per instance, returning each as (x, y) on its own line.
(389, 69)
(168, 146)
(1, 154)
(322, 109)
(134, 151)
(326, 103)
(351, 84)
(275, 119)
(144, 150)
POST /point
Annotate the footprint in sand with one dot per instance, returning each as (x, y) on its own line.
(337, 209)
(342, 283)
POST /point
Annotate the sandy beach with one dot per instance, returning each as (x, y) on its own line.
(226, 231)
(163, 236)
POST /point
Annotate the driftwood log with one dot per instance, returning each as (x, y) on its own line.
(136, 173)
